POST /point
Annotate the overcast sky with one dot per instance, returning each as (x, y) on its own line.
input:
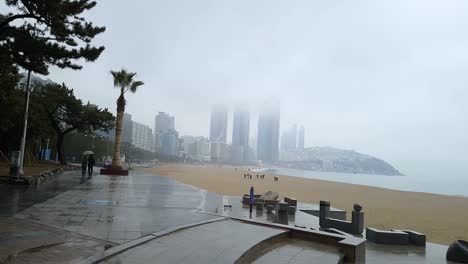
(386, 78)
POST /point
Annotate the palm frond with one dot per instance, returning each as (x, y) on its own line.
(134, 85)
(120, 78)
(124, 81)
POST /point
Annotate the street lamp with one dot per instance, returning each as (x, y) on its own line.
(25, 127)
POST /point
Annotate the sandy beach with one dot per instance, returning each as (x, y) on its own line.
(442, 218)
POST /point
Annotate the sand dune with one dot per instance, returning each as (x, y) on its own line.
(442, 218)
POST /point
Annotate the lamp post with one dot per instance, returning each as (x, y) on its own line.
(25, 127)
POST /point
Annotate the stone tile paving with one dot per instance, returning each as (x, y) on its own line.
(432, 253)
(16, 198)
(294, 251)
(24, 242)
(120, 209)
(218, 242)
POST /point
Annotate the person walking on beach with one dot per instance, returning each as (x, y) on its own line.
(91, 163)
(84, 165)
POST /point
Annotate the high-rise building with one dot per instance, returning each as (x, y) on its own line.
(268, 134)
(127, 128)
(240, 135)
(163, 122)
(300, 138)
(218, 124)
(142, 136)
(289, 138)
(169, 143)
(127, 124)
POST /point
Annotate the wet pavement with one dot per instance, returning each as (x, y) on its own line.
(295, 251)
(15, 198)
(120, 208)
(79, 220)
(220, 242)
(24, 242)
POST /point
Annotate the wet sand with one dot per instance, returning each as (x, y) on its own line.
(442, 218)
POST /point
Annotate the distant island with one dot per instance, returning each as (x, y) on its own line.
(338, 160)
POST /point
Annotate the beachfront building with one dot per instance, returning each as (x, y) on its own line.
(195, 148)
(127, 127)
(240, 136)
(218, 124)
(220, 152)
(300, 138)
(142, 136)
(168, 143)
(163, 123)
(268, 134)
(289, 139)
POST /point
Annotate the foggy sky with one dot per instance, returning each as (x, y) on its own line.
(386, 78)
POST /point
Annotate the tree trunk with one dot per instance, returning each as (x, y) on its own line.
(60, 137)
(118, 135)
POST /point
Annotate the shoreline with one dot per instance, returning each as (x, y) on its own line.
(363, 185)
(338, 178)
(441, 217)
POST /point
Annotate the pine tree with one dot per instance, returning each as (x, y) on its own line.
(40, 33)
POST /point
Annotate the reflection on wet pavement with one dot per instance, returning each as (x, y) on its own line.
(16, 198)
(24, 242)
(295, 251)
(120, 208)
(219, 242)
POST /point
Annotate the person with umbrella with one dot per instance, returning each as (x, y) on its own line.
(84, 165)
(84, 162)
(91, 163)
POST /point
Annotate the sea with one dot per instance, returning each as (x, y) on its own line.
(453, 183)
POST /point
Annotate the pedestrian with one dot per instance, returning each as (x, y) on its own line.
(84, 165)
(91, 163)
(251, 198)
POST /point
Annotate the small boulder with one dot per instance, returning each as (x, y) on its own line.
(458, 251)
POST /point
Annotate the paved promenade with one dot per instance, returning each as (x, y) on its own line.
(65, 221)
(218, 242)
(120, 209)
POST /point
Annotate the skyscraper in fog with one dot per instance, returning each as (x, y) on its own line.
(300, 138)
(289, 138)
(127, 128)
(163, 123)
(268, 134)
(218, 124)
(240, 135)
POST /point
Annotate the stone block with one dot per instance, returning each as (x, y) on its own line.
(271, 202)
(291, 201)
(458, 251)
(387, 236)
(282, 206)
(415, 238)
(270, 208)
(259, 200)
(259, 206)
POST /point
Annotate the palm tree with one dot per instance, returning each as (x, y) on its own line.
(123, 80)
